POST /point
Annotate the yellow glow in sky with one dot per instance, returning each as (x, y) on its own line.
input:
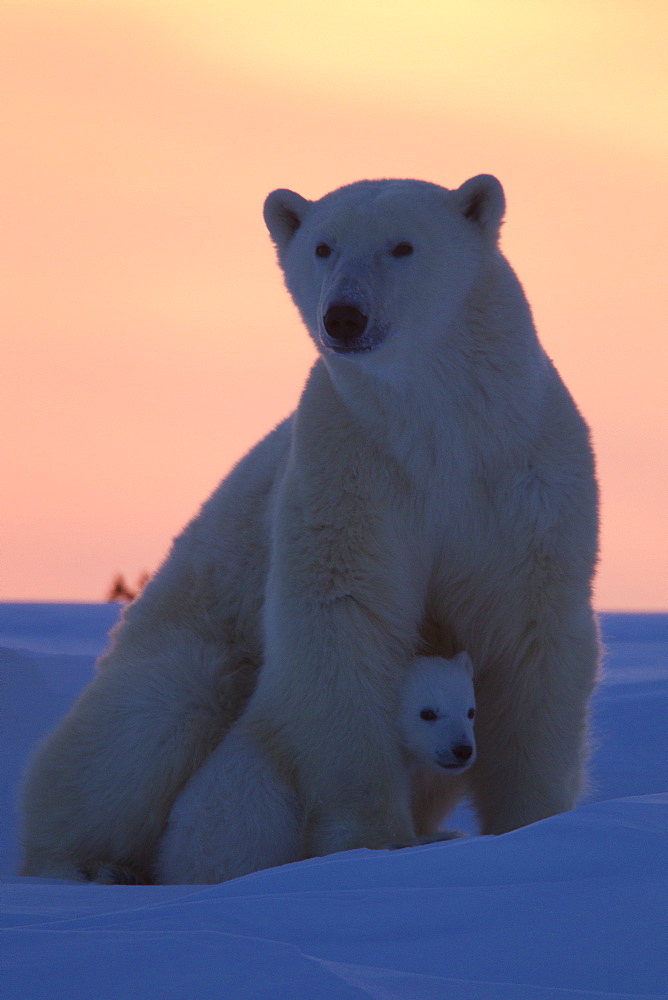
(147, 338)
(595, 69)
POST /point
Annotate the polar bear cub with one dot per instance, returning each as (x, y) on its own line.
(239, 814)
(436, 714)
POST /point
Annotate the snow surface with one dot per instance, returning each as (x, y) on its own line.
(572, 907)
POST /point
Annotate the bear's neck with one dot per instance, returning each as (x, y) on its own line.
(476, 400)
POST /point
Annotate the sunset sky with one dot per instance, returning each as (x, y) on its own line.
(147, 340)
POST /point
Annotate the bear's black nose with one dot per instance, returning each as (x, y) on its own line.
(345, 324)
(463, 752)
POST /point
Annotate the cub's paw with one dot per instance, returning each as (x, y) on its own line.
(433, 838)
(116, 875)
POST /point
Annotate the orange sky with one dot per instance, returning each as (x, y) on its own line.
(147, 341)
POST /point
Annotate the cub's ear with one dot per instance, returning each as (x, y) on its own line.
(482, 201)
(465, 660)
(284, 212)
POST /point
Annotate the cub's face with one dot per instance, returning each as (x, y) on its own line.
(437, 713)
(379, 265)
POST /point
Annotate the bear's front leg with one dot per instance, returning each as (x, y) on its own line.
(531, 724)
(341, 617)
(325, 708)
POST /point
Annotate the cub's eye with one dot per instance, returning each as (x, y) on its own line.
(471, 712)
(402, 250)
(428, 714)
(322, 250)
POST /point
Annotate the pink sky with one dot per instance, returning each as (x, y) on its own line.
(147, 339)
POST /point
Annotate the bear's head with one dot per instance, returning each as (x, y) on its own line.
(377, 264)
(436, 714)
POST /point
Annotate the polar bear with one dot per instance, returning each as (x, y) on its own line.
(435, 490)
(240, 813)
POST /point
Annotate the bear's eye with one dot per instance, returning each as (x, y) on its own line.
(471, 713)
(322, 250)
(428, 714)
(404, 249)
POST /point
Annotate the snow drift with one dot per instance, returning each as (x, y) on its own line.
(572, 907)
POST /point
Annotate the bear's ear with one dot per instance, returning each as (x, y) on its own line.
(482, 201)
(284, 212)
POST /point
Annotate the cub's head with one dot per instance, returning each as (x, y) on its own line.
(437, 713)
(377, 263)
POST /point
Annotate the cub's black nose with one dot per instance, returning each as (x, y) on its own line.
(463, 752)
(345, 324)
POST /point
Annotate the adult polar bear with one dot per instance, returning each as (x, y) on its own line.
(435, 489)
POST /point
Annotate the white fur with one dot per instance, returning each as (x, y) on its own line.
(435, 488)
(237, 814)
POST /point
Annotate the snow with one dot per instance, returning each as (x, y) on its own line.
(572, 907)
